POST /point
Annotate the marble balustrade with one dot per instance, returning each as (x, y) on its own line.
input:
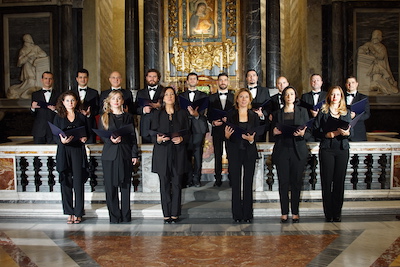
(26, 171)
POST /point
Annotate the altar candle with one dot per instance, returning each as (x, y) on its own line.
(221, 69)
(183, 61)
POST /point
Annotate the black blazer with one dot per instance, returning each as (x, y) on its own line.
(299, 143)
(274, 103)
(309, 99)
(63, 124)
(199, 125)
(145, 119)
(359, 130)
(319, 125)
(235, 143)
(91, 99)
(43, 115)
(215, 103)
(127, 99)
(127, 147)
(261, 96)
(161, 152)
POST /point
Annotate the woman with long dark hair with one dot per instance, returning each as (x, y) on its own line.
(171, 126)
(71, 156)
(333, 151)
(290, 151)
(119, 155)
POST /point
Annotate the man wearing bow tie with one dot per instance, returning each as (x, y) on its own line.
(89, 105)
(276, 102)
(151, 92)
(198, 128)
(353, 96)
(260, 96)
(115, 80)
(313, 97)
(221, 100)
(43, 107)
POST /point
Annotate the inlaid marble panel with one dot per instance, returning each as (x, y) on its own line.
(7, 174)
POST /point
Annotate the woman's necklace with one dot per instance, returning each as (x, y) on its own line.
(334, 112)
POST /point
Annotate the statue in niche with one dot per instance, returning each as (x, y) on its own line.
(373, 68)
(201, 21)
(33, 61)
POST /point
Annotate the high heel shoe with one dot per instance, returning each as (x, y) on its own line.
(167, 220)
(296, 220)
(284, 219)
(174, 219)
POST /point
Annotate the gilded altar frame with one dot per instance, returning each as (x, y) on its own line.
(207, 44)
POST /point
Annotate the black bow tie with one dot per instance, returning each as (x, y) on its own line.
(316, 93)
(223, 93)
(192, 92)
(82, 89)
(46, 91)
(353, 95)
(119, 89)
(152, 88)
(251, 88)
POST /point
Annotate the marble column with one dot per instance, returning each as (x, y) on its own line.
(152, 30)
(132, 44)
(273, 47)
(66, 39)
(253, 37)
(338, 69)
(77, 33)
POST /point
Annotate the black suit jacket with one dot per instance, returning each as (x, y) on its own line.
(235, 145)
(127, 148)
(163, 152)
(43, 115)
(299, 143)
(262, 96)
(145, 119)
(198, 126)
(359, 130)
(127, 99)
(61, 157)
(274, 103)
(309, 99)
(215, 103)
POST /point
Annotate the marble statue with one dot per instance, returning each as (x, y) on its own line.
(33, 61)
(373, 68)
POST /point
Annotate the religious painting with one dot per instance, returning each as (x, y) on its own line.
(7, 174)
(376, 51)
(396, 171)
(201, 15)
(27, 49)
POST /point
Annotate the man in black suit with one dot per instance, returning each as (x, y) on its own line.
(313, 97)
(260, 96)
(352, 97)
(198, 128)
(276, 102)
(115, 82)
(89, 105)
(148, 100)
(43, 107)
(221, 100)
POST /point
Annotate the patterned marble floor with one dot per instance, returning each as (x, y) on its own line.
(356, 241)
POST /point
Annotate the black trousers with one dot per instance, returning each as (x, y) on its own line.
(116, 212)
(242, 202)
(171, 193)
(72, 181)
(195, 155)
(333, 164)
(290, 173)
(218, 151)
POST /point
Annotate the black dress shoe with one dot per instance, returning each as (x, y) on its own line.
(328, 219)
(174, 220)
(167, 220)
(237, 220)
(218, 183)
(197, 184)
(247, 221)
(337, 219)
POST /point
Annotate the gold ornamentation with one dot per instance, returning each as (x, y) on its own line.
(231, 17)
(173, 18)
(203, 57)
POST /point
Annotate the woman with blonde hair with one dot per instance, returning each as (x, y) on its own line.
(332, 126)
(119, 155)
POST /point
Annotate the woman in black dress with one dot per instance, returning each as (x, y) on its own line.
(119, 155)
(290, 151)
(71, 156)
(171, 126)
(242, 152)
(333, 151)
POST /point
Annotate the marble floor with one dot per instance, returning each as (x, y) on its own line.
(364, 240)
